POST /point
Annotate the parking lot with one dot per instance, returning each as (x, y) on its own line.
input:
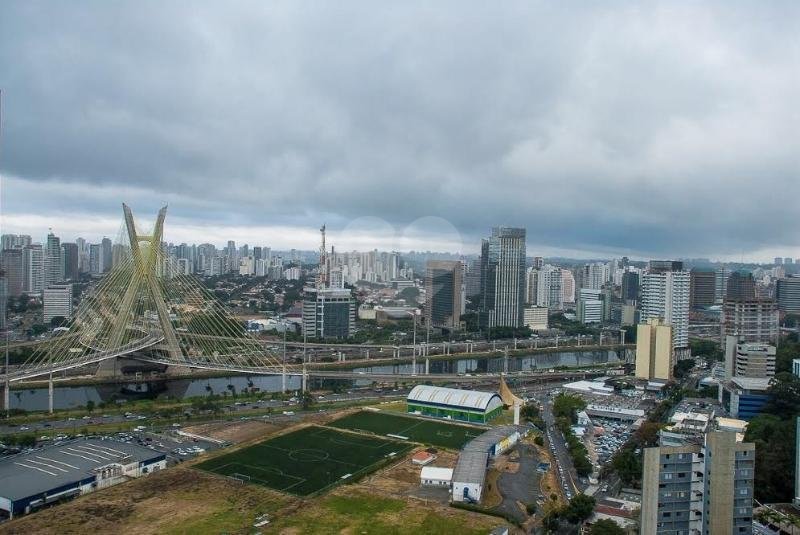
(609, 436)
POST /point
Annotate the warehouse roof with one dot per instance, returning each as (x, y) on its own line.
(51, 467)
(436, 472)
(471, 465)
(438, 395)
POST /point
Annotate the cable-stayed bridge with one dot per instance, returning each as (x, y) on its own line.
(146, 309)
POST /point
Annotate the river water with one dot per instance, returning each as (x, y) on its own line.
(76, 396)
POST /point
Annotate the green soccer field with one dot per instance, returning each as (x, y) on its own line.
(306, 461)
(435, 433)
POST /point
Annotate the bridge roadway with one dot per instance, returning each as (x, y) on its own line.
(441, 347)
(445, 349)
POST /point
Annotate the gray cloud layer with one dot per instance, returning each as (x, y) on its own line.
(653, 129)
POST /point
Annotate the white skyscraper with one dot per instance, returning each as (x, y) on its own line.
(550, 288)
(57, 302)
(665, 295)
(33, 268)
(567, 286)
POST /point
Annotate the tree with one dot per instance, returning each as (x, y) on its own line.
(57, 321)
(567, 406)
(409, 294)
(775, 444)
(784, 395)
(682, 368)
(529, 412)
(706, 348)
(37, 329)
(89, 406)
(539, 441)
(307, 400)
(606, 527)
(788, 350)
(580, 508)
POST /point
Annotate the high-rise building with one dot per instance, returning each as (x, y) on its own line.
(532, 285)
(95, 259)
(567, 286)
(108, 255)
(69, 252)
(443, 294)
(590, 306)
(472, 281)
(14, 241)
(787, 292)
(12, 263)
(550, 288)
(503, 278)
(699, 489)
(778, 261)
(662, 266)
(665, 295)
(53, 262)
(328, 313)
(33, 268)
(746, 359)
(655, 357)
(630, 286)
(741, 286)
(703, 288)
(595, 275)
(721, 284)
(83, 255)
(3, 299)
(754, 320)
(57, 302)
(535, 318)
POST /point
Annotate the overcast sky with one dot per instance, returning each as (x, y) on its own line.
(605, 128)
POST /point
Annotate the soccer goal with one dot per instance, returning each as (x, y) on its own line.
(241, 478)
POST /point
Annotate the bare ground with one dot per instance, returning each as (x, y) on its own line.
(163, 502)
(234, 432)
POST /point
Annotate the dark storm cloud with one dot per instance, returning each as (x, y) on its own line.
(648, 129)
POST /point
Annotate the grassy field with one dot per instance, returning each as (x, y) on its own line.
(435, 433)
(370, 514)
(306, 461)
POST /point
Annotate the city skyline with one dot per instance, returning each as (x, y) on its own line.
(672, 148)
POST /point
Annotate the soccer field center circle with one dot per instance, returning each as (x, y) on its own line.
(309, 455)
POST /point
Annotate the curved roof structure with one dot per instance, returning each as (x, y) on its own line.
(466, 399)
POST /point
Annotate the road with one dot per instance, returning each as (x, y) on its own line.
(74, 425)
(558, 447)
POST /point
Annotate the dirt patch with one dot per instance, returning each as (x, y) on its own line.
(511, 468)
(159, 503)
(234, 432)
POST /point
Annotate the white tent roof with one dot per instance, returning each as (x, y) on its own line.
(436, 472)
(468, 399)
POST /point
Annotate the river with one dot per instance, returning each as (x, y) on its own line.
(64, 397)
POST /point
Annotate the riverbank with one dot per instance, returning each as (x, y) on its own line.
(498, 353)
(84, 380)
